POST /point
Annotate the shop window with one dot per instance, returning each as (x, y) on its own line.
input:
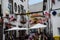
(15, 7)
(18, 9)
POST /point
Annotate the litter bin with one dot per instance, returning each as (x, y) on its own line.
(56, 37)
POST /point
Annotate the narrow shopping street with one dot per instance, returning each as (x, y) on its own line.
(29, 19)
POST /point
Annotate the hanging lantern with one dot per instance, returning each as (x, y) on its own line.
(54, 13)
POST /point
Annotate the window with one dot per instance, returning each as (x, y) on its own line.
(10, 6)
(18, 9)
(44, 7)
(20, 26)
(24, 11)
(21, 0)
(15, 7)
(0, 11)
(44, 4)
(22, 7)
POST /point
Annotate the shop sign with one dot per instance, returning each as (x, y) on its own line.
(36, 15)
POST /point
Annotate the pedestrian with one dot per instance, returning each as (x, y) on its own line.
(36, 36)
(41, 33)
(45, 37)
(26, 36)
(31, 36)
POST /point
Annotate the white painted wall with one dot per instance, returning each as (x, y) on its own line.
(55, 23)
(56, 19)
(56, 5)
(5, 6)
(6, 10)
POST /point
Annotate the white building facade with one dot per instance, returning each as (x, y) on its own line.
(55, 19)
(55, 23)
(10, 10)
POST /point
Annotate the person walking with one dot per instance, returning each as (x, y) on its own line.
(30, 37)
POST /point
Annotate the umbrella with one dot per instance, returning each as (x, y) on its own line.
(36, 26)
(16, 28)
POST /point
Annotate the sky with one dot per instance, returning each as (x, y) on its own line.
(34, 1)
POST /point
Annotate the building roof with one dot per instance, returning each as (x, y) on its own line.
(36, 7)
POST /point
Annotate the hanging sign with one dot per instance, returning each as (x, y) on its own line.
(36, 15)
(59, 14)
(54, 13)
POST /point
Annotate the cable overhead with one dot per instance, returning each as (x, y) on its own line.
(29, 13)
